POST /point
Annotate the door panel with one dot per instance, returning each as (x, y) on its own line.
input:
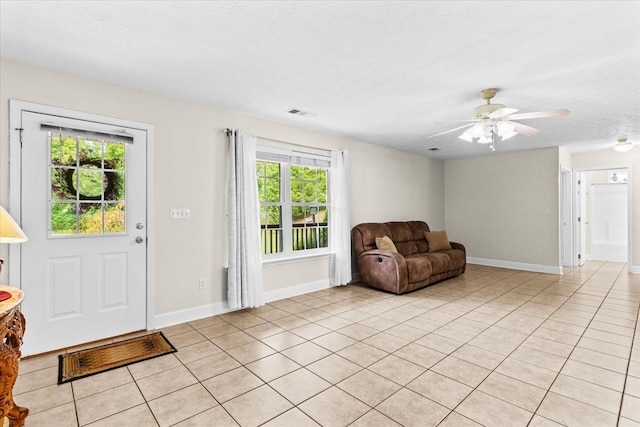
(83, 271)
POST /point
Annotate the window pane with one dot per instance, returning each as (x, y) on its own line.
(63, 218)
(114, 218)
(321, 216)
(63, 150)
(322, 186)
(90, 184)
(310, 174)
(297, 172)
(90, 218)
(298, 237)
(60, 188)
(323, 237)
(310, 191)
(272, 190)
(114, 186)
(297, 214)
(90, 153)
(273, 170)
(114, 156)
(271, 215)
(271, 233)
(296, 192)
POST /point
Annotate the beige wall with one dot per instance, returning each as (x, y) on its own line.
(190, 158)
(610, 159)
(505, 207)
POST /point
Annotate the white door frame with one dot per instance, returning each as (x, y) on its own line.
(578, 173)
(566, 219)
(16, 108)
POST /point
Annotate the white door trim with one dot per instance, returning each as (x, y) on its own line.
(16, 108)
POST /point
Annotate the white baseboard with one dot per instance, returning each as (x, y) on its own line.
(537, 268)
(200, 312)
(294, 291)
(189, 314)
(635, 269)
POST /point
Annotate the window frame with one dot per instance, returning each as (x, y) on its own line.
(287, 158)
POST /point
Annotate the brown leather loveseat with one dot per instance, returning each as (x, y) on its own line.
(413, 266)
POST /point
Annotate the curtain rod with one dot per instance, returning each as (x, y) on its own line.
(228, 131)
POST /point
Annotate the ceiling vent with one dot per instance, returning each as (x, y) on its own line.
(301, 113)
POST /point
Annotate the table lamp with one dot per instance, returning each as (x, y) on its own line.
(10, 231)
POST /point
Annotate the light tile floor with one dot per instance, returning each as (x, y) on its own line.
(493, 347)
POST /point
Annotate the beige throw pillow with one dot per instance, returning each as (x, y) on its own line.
(386, 244)
(437, 240)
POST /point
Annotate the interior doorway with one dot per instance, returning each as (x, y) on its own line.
(603, 201)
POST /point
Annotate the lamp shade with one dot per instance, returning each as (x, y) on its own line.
(10, 231)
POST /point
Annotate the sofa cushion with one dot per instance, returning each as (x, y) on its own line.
(438, 240)
(386, 244)
(402, 237)
(457, 258)
(440, 262)
(418, 268)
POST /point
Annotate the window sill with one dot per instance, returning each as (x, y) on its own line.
(295, 258)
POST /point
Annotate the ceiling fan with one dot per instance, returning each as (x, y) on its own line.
(495, 121)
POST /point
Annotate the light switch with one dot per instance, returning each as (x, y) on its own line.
(180, 213)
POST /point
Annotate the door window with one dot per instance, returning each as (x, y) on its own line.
(87, 188)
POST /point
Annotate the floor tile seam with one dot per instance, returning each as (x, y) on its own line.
(73, 402)
(401, 388)
(572, 350)
(636, 333)
(507, 356)
(484, 304)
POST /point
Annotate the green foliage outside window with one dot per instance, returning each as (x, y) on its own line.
(87, 185)
(307, 200)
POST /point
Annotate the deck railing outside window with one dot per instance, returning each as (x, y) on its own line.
(305, 236)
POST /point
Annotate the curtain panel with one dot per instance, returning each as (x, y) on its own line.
(244, 280)
(340, 228)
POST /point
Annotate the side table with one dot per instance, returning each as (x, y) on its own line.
(12, 326)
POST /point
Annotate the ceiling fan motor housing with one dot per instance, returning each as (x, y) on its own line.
(483, 111)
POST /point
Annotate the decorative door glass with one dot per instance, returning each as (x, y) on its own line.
(88, 177)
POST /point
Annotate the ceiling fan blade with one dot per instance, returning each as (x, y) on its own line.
(501, 112)
(451, 130)
(538, 114)
(524, 129)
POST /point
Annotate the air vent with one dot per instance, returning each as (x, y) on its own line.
(301, 113)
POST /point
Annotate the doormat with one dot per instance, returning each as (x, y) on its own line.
(83, 363)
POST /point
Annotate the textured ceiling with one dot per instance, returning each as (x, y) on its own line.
(389, 73)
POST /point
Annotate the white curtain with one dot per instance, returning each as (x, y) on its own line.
(244, 281)
(340, 226)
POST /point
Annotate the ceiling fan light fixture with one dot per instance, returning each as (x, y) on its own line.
(623, 145)
(485, 139)
(466, 137)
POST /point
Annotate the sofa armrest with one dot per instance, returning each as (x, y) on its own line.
(383, 270)
(456, 245)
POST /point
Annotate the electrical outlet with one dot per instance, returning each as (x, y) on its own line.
(203, 283)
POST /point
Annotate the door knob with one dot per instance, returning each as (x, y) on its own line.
(139, 239)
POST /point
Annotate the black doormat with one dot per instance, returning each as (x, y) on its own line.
(83, 363)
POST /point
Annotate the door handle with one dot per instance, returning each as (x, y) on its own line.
(139, 239)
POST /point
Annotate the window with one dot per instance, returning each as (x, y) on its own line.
(87, 192)
(294, 204)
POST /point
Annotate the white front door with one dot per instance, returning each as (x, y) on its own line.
(83, 206)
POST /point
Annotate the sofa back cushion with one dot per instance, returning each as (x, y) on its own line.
(408, 236)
